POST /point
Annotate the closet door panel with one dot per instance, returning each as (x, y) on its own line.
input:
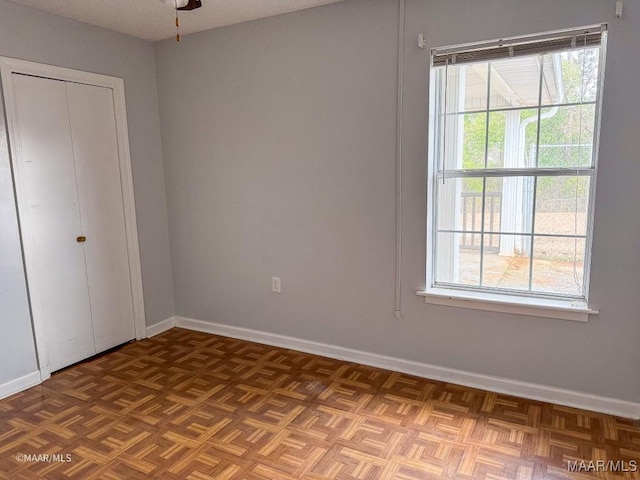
(56, 260)
(99, 188)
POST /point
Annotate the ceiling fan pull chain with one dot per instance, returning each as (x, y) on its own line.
(177, 23)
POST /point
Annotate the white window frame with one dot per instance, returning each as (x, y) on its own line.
(501, 300)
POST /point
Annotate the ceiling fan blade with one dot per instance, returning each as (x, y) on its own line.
(192, 5)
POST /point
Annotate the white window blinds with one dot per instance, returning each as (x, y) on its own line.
(522, 46)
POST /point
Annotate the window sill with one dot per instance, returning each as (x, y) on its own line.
(519, 305)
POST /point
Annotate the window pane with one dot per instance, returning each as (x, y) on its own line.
(509, 205)
(578, 78)
(467, 87)
(515, 82)
(512, 138)
(566, 136)
(558, 265)
(460, 204)
(474, 140)
(465, 140)
(448, 200)
(496, 140)
(493, 201)
(506, 271)
(562, 205)
(458, 258)
(472, 205)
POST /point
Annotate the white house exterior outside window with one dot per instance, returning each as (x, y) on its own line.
(513, 163)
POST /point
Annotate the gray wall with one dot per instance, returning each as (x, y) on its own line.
(279, 145)
(38, 36)
(17, 350)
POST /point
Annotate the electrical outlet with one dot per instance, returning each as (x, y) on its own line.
(276, 285)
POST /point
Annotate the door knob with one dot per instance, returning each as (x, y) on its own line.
(81, 239)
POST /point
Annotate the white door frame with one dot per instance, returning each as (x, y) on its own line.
(8, 66)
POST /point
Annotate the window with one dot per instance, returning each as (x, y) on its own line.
(513, 152)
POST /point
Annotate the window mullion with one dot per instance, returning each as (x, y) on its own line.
(519, 172)
(532, 234)
(511, 109)
(518, 234)
(484, 180)
(539, 110)
(535, 180)
(488, 109)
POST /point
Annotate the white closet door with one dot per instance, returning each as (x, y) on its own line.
(59, 273)
(95, 149)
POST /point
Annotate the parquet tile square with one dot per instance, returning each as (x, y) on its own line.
(188, 405)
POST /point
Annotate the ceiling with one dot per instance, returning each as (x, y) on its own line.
(154, 19)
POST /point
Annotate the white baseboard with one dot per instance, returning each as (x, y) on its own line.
(163, 326)
(475, 380)
(21, 383)
(29, 380)
(507, 386)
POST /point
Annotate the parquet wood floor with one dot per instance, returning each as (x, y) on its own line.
(188, 405)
